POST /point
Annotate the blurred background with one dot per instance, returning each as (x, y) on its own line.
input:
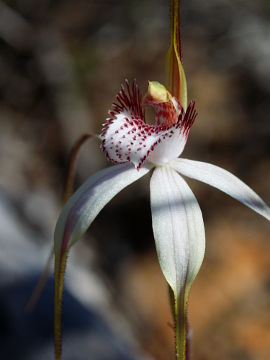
(61, 65)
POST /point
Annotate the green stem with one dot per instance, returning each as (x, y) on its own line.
(61, 260)
(60, 266)
(181, 326)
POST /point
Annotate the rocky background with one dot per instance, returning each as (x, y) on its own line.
(61, 65)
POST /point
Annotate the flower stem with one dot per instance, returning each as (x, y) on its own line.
(71, 164)
(181, 327)
(60, 266)
(68, 192)
(61, 259)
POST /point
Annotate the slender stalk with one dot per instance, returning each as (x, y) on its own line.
(71, 164)
(68, 192)
(60, 266)
(181, 327)
(61, 259)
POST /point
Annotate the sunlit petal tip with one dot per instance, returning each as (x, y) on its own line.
(82, 208)
(224, 181)
(178, 228)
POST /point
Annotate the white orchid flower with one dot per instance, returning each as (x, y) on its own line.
(137, 147)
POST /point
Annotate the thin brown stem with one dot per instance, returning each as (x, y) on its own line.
(71, 164)
(61, 259)
(67, 193)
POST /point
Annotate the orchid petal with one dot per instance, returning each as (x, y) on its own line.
(76, 217)
(82, 208)
(126, 136)
(178, 228)
(224, 181)
(132, 140)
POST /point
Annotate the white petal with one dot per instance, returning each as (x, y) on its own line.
(127, 137)
(82, 208)
(178, 228)
(224, 181)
